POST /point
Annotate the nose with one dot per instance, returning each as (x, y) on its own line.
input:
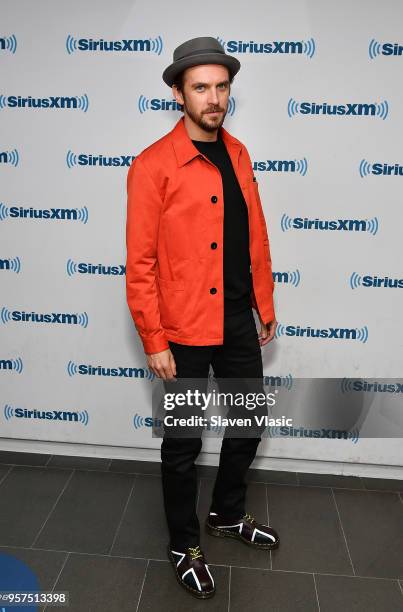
(213, 97)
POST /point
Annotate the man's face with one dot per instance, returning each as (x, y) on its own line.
(205, 94)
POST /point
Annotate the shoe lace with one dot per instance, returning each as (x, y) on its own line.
(249, 518)
(195, 552)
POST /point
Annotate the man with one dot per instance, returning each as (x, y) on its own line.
(198, 260)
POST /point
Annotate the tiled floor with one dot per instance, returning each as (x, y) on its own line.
(96, 528)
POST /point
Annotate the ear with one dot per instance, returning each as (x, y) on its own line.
(177, 95)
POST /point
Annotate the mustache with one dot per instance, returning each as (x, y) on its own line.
(214, 110)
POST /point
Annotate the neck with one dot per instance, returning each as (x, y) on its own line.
(195, 132)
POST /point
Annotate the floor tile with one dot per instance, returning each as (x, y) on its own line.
(272, 476)
(99, 583)
(258, 590)
(373, 524)
(135, 467)
(337, 593)
(383, 484)
(311, 538)
(228, 551)
(143, 532)
(88, 513)
(85, 463)
(330, 480)
(27, 495)
(4, 469)
(45, 564)
(16, 458)
(162, 591)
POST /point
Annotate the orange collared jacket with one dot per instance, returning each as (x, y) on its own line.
(175, 210)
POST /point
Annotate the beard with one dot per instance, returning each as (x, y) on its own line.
(205, 121)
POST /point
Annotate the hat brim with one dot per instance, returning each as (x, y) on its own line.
(174, 69)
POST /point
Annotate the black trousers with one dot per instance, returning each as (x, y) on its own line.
(239, 356)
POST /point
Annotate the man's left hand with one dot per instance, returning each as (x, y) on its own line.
(267, 331)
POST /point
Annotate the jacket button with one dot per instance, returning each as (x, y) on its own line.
(213, 290)
(214, 199)
(213, 245)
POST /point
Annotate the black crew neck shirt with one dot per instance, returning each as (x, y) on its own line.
(236, 258)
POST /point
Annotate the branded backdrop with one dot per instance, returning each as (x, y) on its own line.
(318, 102)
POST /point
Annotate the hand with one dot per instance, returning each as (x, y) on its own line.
(267, 331)
(162, 364)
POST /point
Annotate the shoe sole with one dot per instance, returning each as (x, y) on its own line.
(198, 594)
(220, 533)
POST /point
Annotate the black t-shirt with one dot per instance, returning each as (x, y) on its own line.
(236, 258)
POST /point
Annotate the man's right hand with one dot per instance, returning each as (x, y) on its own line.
(162, 364)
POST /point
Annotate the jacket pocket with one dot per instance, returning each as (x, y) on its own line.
(171, 297)
(169, 283)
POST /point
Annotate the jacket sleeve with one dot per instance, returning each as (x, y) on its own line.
(268, 260)
(266, 239)
(270, 284)
(142, 222)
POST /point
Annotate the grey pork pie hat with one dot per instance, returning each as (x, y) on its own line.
(196, 51)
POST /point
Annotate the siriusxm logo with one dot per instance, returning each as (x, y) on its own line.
(133, 45)
(379, 169)
(49, 415)
(350, 385)
(8, 43)
(140, 421)
(285, 382)
(73, 267)
(60, 214)
(355, 109)
(61, 318)
(84, 159)
(383, 282)
(12, 364)
(59, 102)
(86, 369)
(12, 265)
(162, 104)
(278, 47)
(304, 432)
(300, 166)
(292, 278)
(346, 225)
(10, 157)
(376, 48)
(336, 333)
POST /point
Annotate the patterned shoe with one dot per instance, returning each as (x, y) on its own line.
(246, 529)
(192, 571)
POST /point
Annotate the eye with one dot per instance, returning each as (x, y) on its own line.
(199, 87)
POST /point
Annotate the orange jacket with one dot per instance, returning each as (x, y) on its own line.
(175, 210)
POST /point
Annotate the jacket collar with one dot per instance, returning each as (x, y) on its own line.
(185, 149)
